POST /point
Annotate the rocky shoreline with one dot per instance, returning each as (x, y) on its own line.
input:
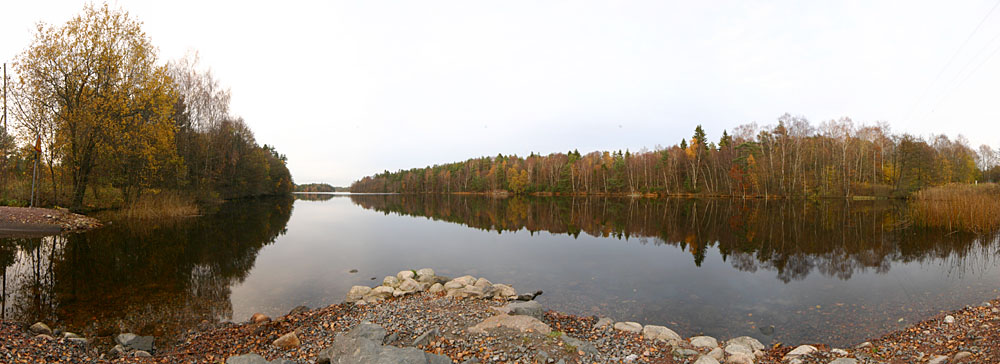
(419, 317)
(32, 221)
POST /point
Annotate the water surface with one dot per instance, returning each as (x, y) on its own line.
(828, 271)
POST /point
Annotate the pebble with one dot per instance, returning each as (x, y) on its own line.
(962, 355)
(949, 319)
(734, 348)
(660, 333)
(801, 350)
(287, 341)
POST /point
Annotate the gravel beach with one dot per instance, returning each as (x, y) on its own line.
(440, 324)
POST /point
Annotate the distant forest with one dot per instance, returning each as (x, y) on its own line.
(318, 187)
(791, 158)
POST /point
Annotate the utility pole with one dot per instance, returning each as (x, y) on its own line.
(3, 141)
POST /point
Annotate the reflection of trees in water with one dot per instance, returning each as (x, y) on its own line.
(151, 277)
(309, 196)
(793, 238)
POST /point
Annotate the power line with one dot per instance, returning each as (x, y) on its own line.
(951, 92)
(950, 60)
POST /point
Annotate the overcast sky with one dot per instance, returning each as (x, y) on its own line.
(347, 89)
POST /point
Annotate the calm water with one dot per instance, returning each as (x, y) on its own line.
(780, 271)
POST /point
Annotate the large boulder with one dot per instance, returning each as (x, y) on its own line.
(363, 345)
(519, 323)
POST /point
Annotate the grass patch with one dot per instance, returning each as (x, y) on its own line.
(958, 207)
(160, 204)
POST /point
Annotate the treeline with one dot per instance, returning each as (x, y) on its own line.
(315, 187)
(112, 122)
(790, 158)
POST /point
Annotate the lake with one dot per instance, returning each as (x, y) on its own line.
(828, 271)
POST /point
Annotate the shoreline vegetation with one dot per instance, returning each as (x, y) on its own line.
(415, 318)
(792, 159)
(113, 127)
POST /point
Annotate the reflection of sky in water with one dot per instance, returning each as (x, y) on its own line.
(605, 276)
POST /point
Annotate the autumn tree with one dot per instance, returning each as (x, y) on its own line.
(96, 76)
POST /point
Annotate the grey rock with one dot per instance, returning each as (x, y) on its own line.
(739, 358)
(504, 291)
(368, 331)
(735, 348)
(141, 343)
(426, 337)
(408, 285)
(527, 308)
(660, 333)
(801, 350)
(436, 287)
(628, 326)
(681, 352)
(705, 359)
(40, 328)
(44, 337)
(465, 280)
(404, 274)
(844, 361)
(358, 349)
(390, 281)
(141, 354)
(70, 335)
(425, 275)
(704, 342)
(717, 353)
(518, 322)
(356, 293)
(839, 352)
(747, 341)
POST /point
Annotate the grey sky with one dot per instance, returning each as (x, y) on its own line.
(347, 89)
